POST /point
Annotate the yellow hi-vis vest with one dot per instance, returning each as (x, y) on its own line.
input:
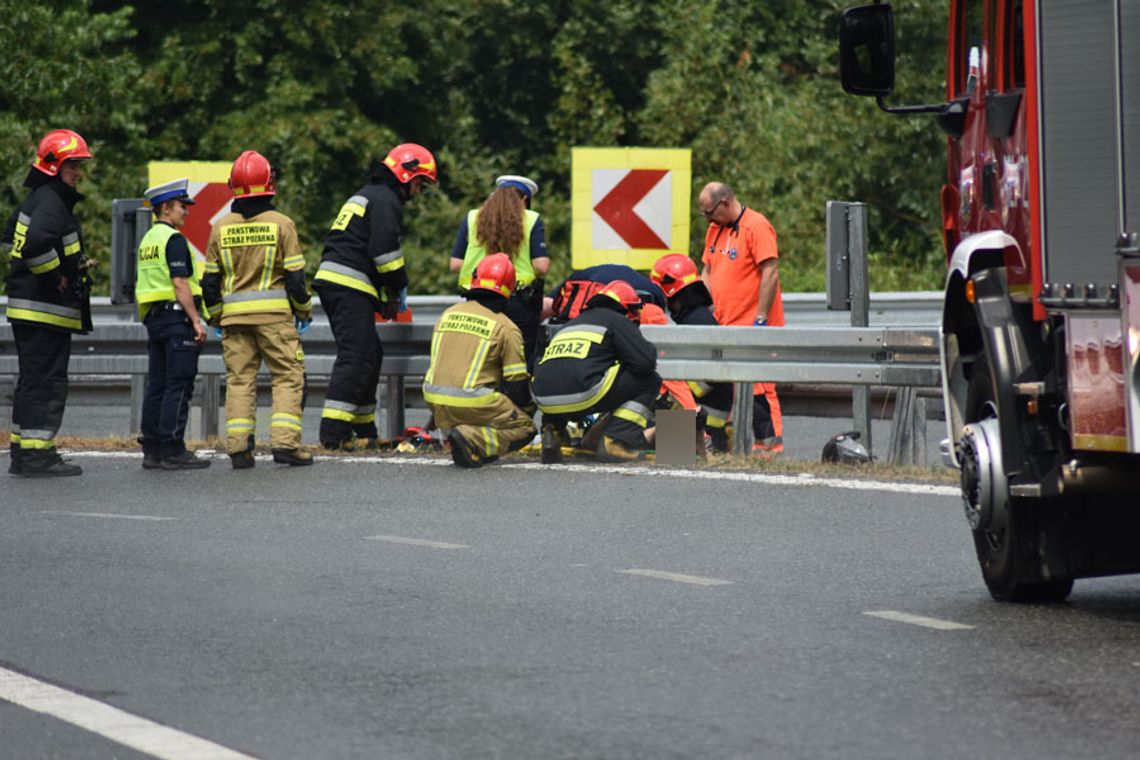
(524, 269)
(152, 281)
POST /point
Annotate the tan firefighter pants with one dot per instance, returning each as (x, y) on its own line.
(244, 347)
(491, 430)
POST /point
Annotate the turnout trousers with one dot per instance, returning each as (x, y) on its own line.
(350, 401)
(629, 400)
(41, 393)
(490, 430)
(244, 347)
(171, 369)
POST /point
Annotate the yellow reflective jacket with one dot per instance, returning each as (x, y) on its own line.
(258, 260)
(473, 351)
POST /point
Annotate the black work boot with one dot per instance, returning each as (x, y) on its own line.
(551, 445)
(56, 469)
(243, 460)
(152, 460)
(461, 452)
(187, 460)
(292, 457)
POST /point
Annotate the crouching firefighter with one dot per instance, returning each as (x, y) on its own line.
(691, 304)
(600, 362)
(477, 382)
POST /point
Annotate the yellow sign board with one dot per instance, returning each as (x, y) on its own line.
(629, 205)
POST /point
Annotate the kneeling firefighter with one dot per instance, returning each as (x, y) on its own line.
(600, 362)
(477, 382)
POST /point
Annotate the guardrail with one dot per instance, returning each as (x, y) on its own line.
(893, 356)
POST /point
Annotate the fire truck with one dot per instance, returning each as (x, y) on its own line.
(1040, 332)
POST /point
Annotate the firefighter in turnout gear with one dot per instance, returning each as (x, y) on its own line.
(361, 274)
(477, 382)
(600, 362)
(254, 287)
(169, 298)
(48, 300)
(691, 304)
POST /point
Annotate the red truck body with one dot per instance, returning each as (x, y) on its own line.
(1041, 317)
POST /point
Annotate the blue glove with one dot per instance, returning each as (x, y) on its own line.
(217, 332)
(302, 325)
(403, 299)
(760, 322)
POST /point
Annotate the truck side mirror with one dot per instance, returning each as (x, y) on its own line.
(867, 50)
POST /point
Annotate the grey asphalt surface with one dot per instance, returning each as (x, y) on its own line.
(267, 618)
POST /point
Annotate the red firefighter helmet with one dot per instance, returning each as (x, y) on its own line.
(495, 273)
(652, 314)
(622, 292)
(57, 146)
(674, 272)
(252, 175)
(409, 160)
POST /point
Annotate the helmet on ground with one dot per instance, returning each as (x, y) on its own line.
(652, 314)
(495, 273)
(252, 175)
(409, 160)
(622, 292)
(674, 272)
(57, 146)
(845, 448)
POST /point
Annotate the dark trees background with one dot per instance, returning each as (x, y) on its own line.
(491, 86)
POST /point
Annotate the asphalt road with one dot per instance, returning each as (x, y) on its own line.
(383, 610)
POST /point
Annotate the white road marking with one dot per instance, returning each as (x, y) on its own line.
(803, 480)
(693, 580)
(104, 515)
(417, 542)
(928, 622)
(110, 722)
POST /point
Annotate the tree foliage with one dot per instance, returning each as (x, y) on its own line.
(491, 86)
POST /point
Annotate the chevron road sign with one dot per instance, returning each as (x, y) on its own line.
(629, 205)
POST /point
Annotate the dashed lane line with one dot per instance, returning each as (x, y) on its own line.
(692, 580)
(104, 515)
(926, 622)
(112, 723)
(803, 480)
(417, 542)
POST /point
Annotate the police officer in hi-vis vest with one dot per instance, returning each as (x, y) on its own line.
(48, 300)
(254, 286)
(169, 299)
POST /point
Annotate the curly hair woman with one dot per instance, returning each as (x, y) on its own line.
(506, 224)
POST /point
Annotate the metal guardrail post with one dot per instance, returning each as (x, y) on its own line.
(394, 406)
(860, 310)
(138, 390)
(211, 400)
(742, 438)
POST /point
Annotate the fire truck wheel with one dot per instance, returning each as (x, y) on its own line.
(1007, 547)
